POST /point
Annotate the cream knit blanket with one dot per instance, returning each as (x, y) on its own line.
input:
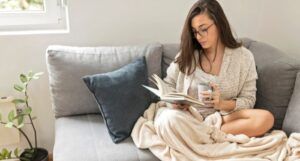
(176, 135)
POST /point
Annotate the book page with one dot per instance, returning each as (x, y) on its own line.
(167, 93)
(153, 90)
(163, 86)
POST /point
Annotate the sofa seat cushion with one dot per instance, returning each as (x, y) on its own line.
(85, 138)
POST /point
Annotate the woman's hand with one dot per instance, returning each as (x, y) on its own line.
(180, 106)
(213, 98)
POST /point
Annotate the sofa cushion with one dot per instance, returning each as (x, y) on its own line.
(121, 97)
(291, 121)
(67, 65)
(92, 142)
(169, 53)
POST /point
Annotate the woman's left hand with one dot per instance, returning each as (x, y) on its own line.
(215, 100)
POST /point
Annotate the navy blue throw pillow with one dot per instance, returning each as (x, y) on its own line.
(121, 97)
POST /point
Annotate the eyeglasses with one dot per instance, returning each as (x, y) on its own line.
(202, 32)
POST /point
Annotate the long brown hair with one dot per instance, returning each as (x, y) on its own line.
(189, 44)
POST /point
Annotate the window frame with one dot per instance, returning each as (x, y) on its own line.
(54, 19)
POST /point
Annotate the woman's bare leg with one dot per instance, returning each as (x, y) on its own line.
(251, 122)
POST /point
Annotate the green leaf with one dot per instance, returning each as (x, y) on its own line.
(18, 101)
(9, 124)
(23, 78)
(19, 88)
(20, 119)
(11, 116)
(16, 152)
(37, 75)
(9, 155)
(26, 111)
(30, 73)
(0, 117)
(4, 152)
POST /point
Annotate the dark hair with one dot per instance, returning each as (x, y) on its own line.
(188, 44)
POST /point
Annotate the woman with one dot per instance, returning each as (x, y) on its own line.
(210, 53)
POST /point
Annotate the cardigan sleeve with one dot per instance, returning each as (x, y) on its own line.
(172, 73)
(247, 96)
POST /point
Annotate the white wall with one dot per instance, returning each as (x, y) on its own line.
(125, 22)
(275, 22)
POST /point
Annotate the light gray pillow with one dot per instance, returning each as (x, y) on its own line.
(67, 65)
(291, 121)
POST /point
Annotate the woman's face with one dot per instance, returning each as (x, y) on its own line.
(204, 30)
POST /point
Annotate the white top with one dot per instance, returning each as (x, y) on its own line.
(202, 77)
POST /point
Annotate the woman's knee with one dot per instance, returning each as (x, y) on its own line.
(168, 117)
(268, 118)
(264, 121)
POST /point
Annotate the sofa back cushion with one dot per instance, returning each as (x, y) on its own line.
(276, 79)
(169, 53)
(67, 65)
(276, 76)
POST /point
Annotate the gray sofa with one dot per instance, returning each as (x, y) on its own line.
(81, 134)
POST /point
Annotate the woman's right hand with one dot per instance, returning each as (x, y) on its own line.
(180, 106)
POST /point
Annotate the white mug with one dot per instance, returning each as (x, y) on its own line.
(203, 87)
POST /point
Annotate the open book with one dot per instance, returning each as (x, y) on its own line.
(167, 93)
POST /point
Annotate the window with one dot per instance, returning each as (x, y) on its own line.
(21, 5)
(33, 16)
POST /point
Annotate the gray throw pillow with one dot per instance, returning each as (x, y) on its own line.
(121, 97)
(291, 121)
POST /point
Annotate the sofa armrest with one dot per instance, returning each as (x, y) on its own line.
(291, 121)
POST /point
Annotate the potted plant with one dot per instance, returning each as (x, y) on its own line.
(17, 121)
